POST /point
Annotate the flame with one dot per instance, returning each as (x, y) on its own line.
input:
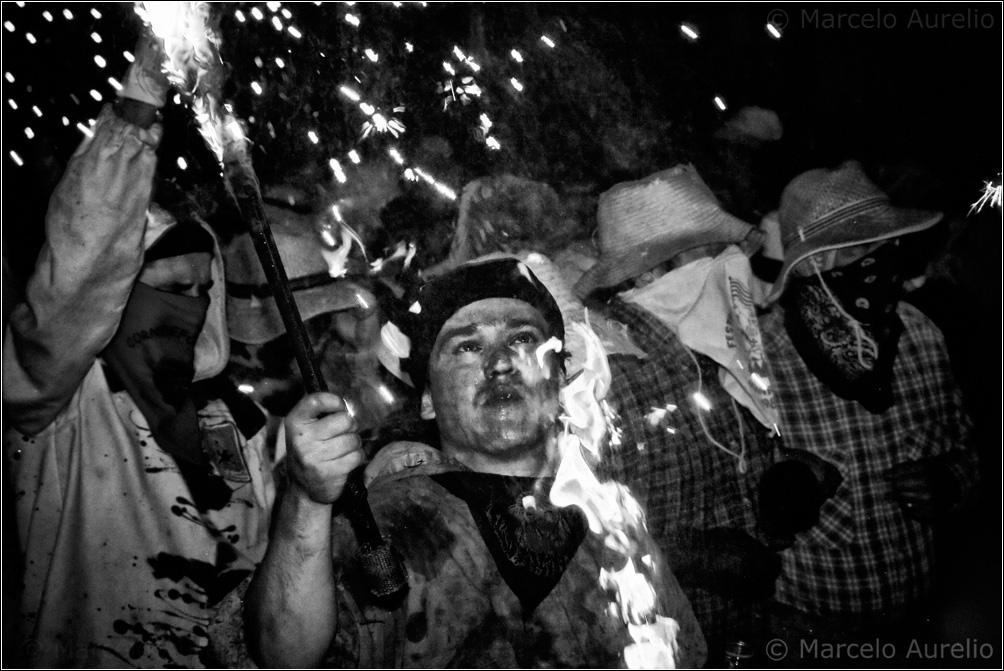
(195, 68)
(611, 511)
(582, 397)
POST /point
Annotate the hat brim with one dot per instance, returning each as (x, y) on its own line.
(612, 269)
(255, 321)
(881, 224)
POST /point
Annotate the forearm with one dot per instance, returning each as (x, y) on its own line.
(291, 608)
(85, 270)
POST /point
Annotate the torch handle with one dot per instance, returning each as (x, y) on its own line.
(382, 567)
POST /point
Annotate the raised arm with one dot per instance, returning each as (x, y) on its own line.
(290, 609)
(91, 257)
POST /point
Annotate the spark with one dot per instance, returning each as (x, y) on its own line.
(37, 111)
(547, 40)
(294, 32)
(689, 32)
(349, 93)
(991, 194)
(760, 381)
(515, 84)
(486, 123)
(259, 62)
(66, 121)
(449, 68)
(47, 16)
(281, 63)
(240, 16)
(13, 105)
(84, 129)
(256, 13)
(31, 38)
(9, 77)
(182, 163)
(396, 155)
(286, 14)
(313, 136)
(245, 388)
(273, 6)
(409, 47)
(115, 83)
(516, 56)
(100, 61)
(256, 87)
(720, 103)
(68, 14)
(492, 143)
(29, 132)
(96, 37)
(95, 13)
(385, 393)
(17, 159)
(128, 56)
(276, 23)
(336, 168)
(9, 26)
(367, 109)
(354, 156)
(458, 53)
(773, 31)
(96, 95)
(702, 401)
(353, 19)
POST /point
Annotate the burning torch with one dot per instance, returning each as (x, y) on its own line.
(194, 66)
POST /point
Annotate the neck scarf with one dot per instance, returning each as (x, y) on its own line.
(844, 325)
(709, 305)
(153, 355)
(531, 546)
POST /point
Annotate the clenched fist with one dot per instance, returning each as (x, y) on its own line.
(323, 446)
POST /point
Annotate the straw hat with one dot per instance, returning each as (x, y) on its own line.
(252, 315)
(825, 209)
(644, 223)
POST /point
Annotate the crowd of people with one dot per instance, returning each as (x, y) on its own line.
(794, 440)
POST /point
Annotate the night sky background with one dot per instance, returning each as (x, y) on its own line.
(913, 91)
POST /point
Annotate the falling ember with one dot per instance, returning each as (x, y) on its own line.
(689, 32)
(773, 31)
(720, 103)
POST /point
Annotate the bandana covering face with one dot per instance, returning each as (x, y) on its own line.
(709, 305)
(844, 325)
(153, 354)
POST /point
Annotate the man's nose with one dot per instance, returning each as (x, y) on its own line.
(499, 361)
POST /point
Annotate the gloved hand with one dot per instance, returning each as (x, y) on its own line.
(729, 562)
(146, 79)
(925, 489)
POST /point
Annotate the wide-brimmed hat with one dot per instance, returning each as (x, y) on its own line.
(647, 222)
(822, 210)
(252, 314)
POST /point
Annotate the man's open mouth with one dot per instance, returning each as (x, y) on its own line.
(501, 395)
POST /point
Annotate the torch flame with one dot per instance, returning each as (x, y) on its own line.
(611, 512)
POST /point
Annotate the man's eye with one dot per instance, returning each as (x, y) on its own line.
(468, 346)
(525, 338)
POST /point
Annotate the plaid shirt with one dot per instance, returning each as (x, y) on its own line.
(864, 555)
(684, 482)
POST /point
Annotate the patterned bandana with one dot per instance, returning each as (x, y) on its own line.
(843, 323)
(531, 545)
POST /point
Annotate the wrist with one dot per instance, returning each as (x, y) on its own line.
(137, 112)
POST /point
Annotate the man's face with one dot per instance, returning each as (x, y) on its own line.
(495, 406)
(185, 274)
